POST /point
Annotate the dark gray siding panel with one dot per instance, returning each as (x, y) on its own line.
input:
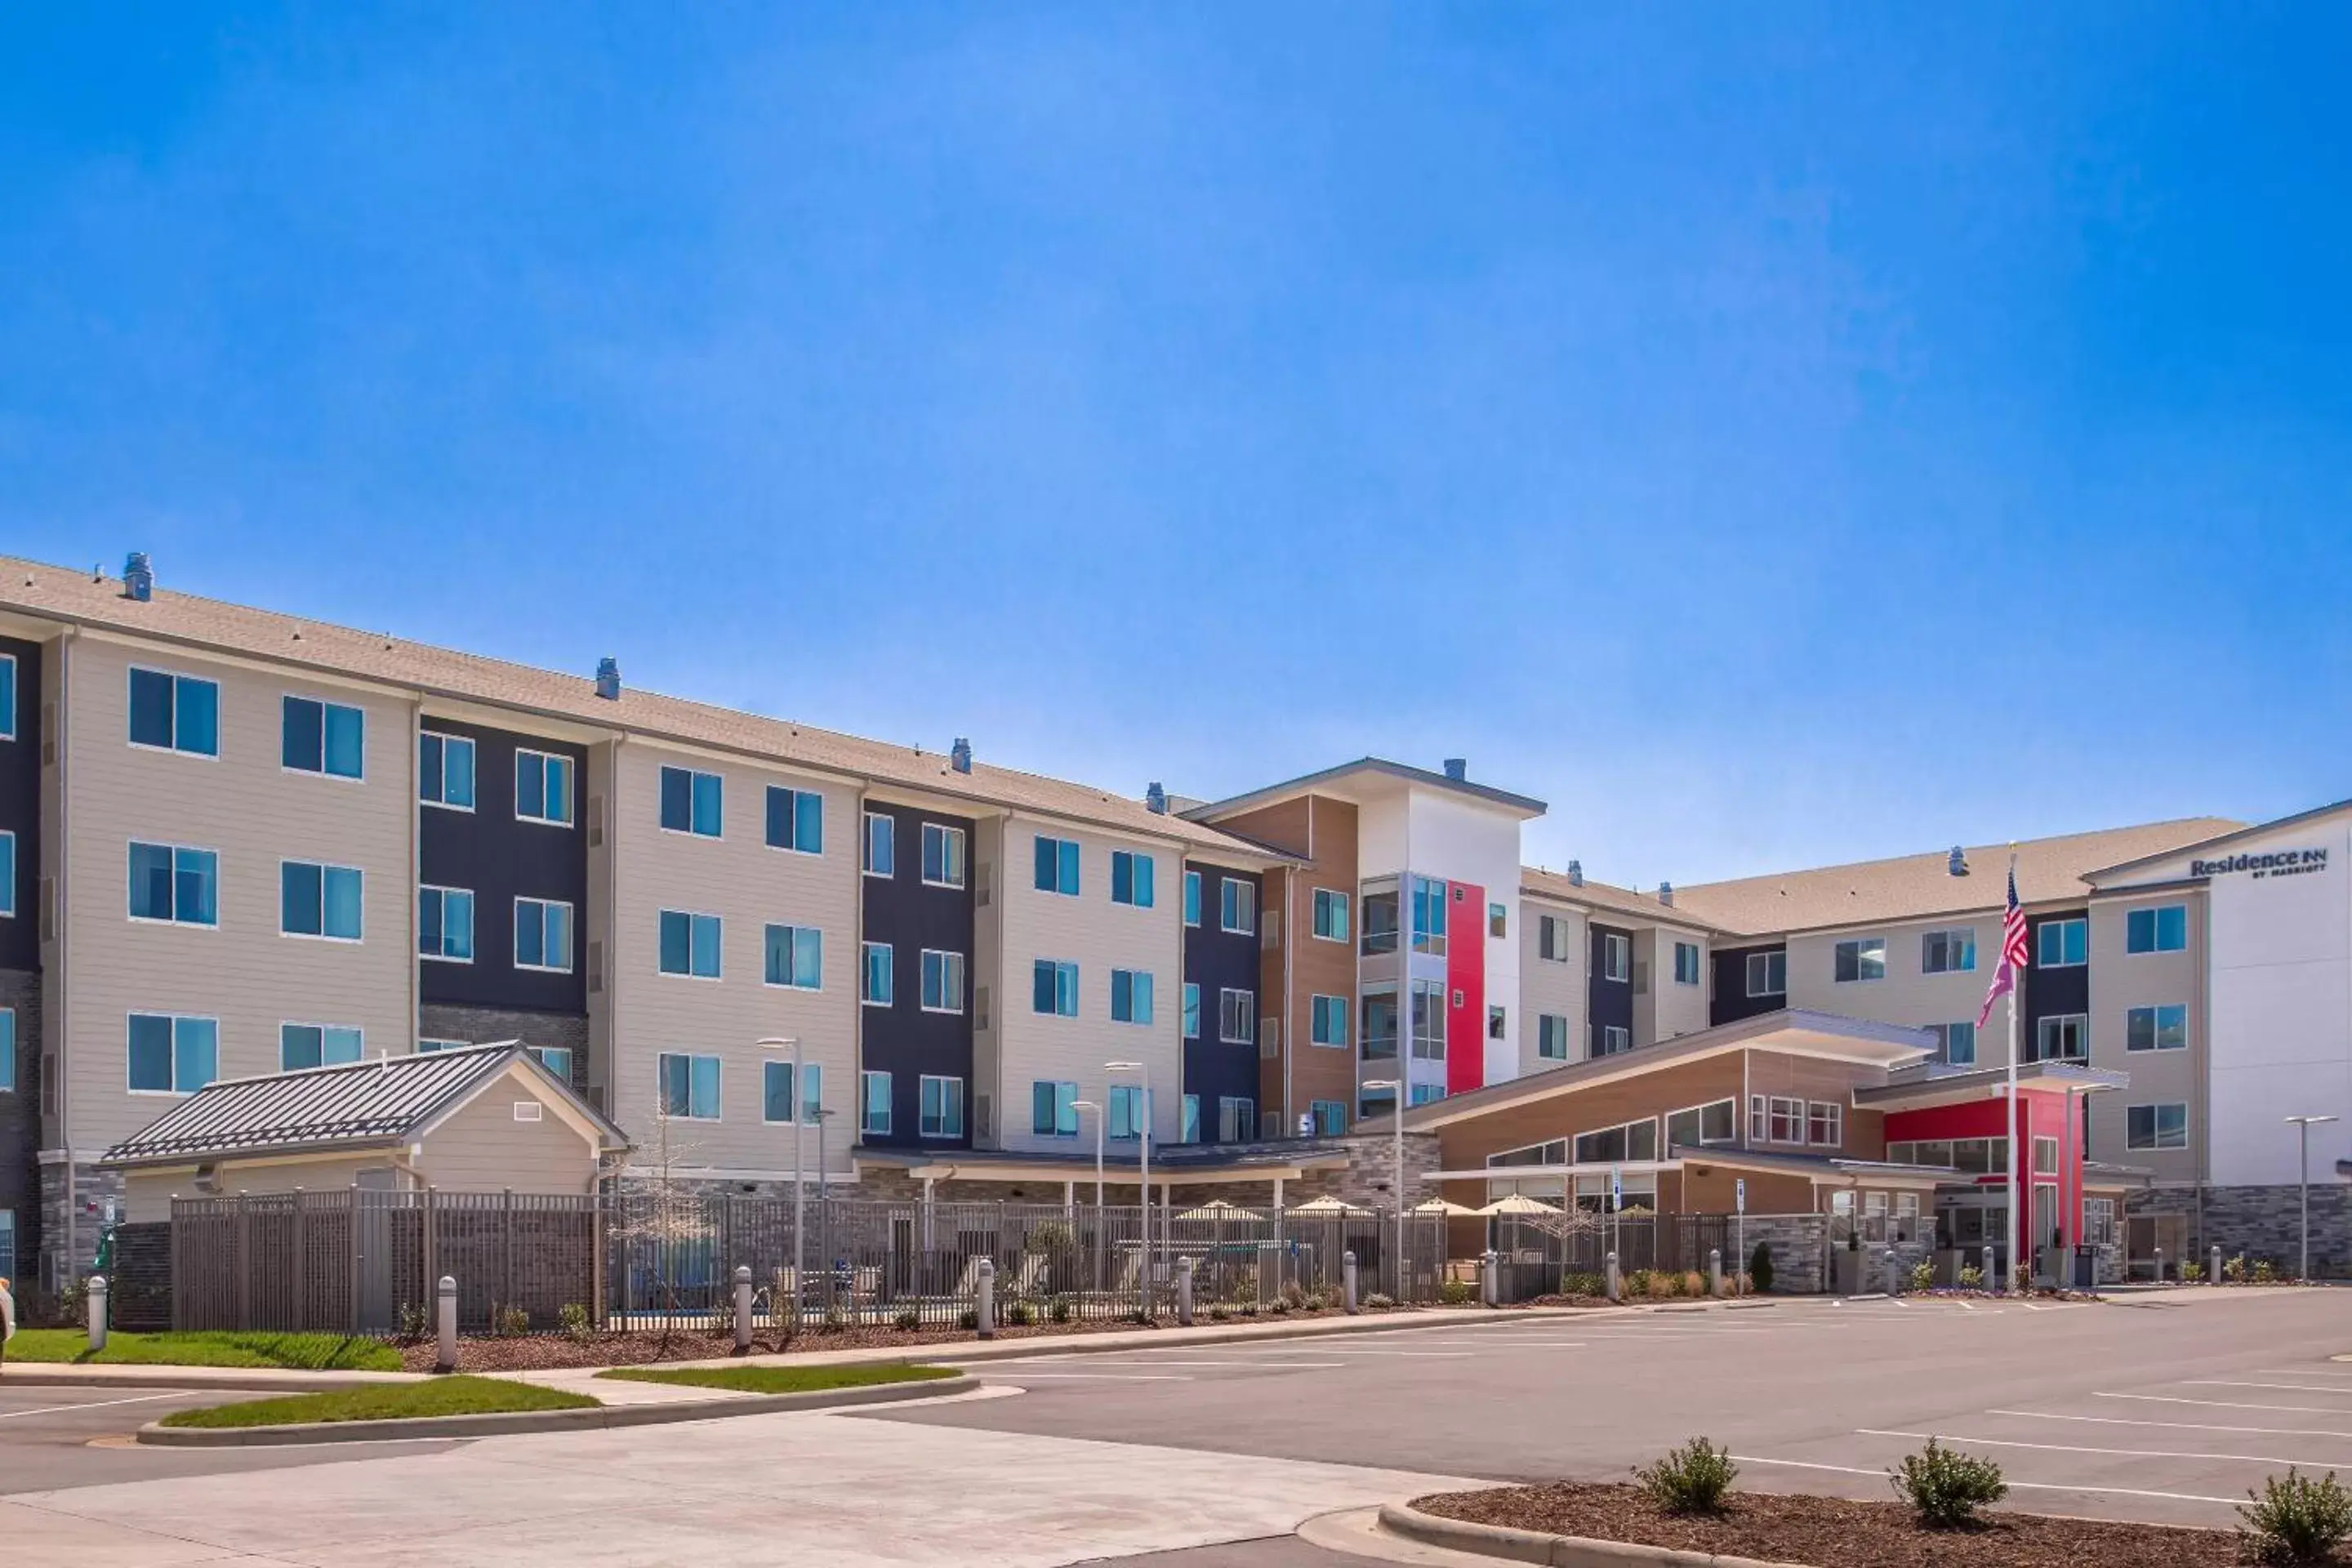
(1608, 1001)
(1731, 1001)
(902, 1039)
(1216, 960)
(20, 809)
(2049, 993)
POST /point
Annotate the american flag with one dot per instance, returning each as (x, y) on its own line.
(2012, 951)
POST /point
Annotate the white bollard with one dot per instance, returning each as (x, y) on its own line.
(1714, 1271)
(445, 1323)
(1986, 1283)
(1348, 1279)
(742, 1308)
(1184, 1292)
(2214, 1267)
(984, 1307)
(95, 1295)
(2160, 1266)
(1490, 1278)
(1614, 1287)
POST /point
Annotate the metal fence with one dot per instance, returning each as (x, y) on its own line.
(366, 1262)
(1540, 1255)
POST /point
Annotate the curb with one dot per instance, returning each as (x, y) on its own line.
(194, 1379)
(592, 1418)
(1537, 1546)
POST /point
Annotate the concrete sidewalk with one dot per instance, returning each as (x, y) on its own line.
(268, 1380)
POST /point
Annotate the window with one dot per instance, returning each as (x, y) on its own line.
(1131, 997)
(1497, 1023)
(794, 957)
(1053, 1110)
(1330, 916)
(1428, 915)
(1056, 866)
(1685, 964)
(7, 873)
(1192, 897)
(7, 1050)
(2163, 1028)
(1329, 1117)
(2062, 1038)
(174, 712)
(1825, 1124)
(542, 934)
(1379, 922)
(1126, 1117)
(1860, 958)
(2046, 1156)
(690, 1086)
(1328, 1020)
(2156, 1126)
(1701, 1124)
(939, 1107)
(170, 882)
(776, 1091)
(2099, 1221)
(795, 820)
(1551, 1036)
(1379, 1030)
(1615, 1040)
(425, 1047)
(943, 982)
(1614, 1146)
(1616, 956)
(2164, 928)
(172, 1055)
(691, 802)
(943, 852)
(444, 771)
(689, 944)
(7, 697)
(2061, 943)
(1498, 919)
(874, 1104)
(1237, 905)
(1425, 1003)
(303, 1046)
(1553, 939)
(1192, 1011)
(1948, 952)
(1956, 1044)
(1423, 1093)
(1053, 988)
(1768, 973)
(879, 982)
(444, 924)
(1236, 1016)
(1236, 1118)
(556, 1060)
(1187, 1130)
(1787, 1123)
(542, 789)
(1130, 879)
(322, 738)
(880, 854)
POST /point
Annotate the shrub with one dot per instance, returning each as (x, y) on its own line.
(1052, 1236)
(1141, 1317)
(1693, 1282)
(1689, 1480)
(1923, 1277)
(1759, 1267)
(512, 1321)
(1666, 1283)
(968, 1318)
(1278, 1306)
(412, 1324)
(1249, 1309)
(1219, 1312)
(2234, 1270)
(2192, 1274)
(1457, 1293)
(1019, 1316)
(2264, 1273)
(1581, 1285)
(574, 1316)
(1245, 1287)
(910, 1319)
(1377, 1303)
(1060, 1311)
(1293, 1295)
(1637, 1283)
(1972, 1277)
(1946, 1487)
(2294, 1521)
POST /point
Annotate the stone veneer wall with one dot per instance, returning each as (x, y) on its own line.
(2261, 1223)
(1800, 1250)
(93, 1189)
(481, 1026)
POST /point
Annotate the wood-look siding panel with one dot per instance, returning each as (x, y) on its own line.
(1319, 967)
(1610, 1104)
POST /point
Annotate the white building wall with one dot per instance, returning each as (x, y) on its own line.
(1461, 839)
(1908, 995)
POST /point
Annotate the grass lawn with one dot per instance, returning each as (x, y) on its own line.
(304, 1352)
(387, 1402)
(779, 1379)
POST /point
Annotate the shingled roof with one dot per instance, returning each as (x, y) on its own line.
(78, 598)
(1604, 898)
(351, 1105)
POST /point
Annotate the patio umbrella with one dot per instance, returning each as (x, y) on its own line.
(1218, 1208)
(1328, 1204)
(1441, 1205)
(1518, 1203)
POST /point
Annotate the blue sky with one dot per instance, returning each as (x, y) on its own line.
(1770, 436)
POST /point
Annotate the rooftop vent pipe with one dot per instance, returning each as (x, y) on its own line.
(138, 577)
(1667, 894)
(960, 755)
(1576, 873)
(1155, 799)
(1959, 861)
(608, 678)
(1458, 769)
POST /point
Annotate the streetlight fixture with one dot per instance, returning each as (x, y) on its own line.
(1396, 1121)
(2302, 1126)
(800, 1081)
(1143, 1140)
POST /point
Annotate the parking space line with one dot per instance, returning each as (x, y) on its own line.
(2112, 1453)
(2015, 1485)
(92, 1405)
(1173, 1361)
(2176, 1426)
(2281, 1387)
(2301, 1372)
(2225, 1404)
(1103, 1376)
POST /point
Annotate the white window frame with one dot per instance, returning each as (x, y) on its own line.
(2155, 1011)
(1192, 899)
(1546, 1024)
(8, 679)
(322, 934)
(473, 925)
(1059, 1103)
(1078, 879)
(1575, 1153)
(1555, 941)
(175, 677)
(1236, 1118)
(1866, 948)
(688, 973)
(922, 1117)
(718, 1111)
(2061, 925)
(865, 952)
(426, 1044)
(2154, 913)
(1149, 987)
(1730, 1102)
(8, 877)
(8, 1050)
(1233, 892)
(285, 1024)
(888, 824)
(1616, 1039)
(473, 770)
(324, 704)
(175, 1092)
(796, 794)
(1059, 966)
(1616, 956)
(951, 837)
(1151, 875)
(1697, 964)
(570, 930)
(1789, 1112)
(1329, 900)
(1946, 934)
(1190, 1020)
(177, 850)
(2042, 1029)
(792, 943)
(689, 830)
(1316, 1119)
(1818, 1111)
(1229, 1000)
(1778, 958)
(2155, 1142)
(543, 759)
(951, 968)
(1322, 1006)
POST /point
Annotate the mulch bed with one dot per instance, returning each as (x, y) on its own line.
(1833, 1533)
(537, 1352)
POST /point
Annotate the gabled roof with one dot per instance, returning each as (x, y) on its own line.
(1604, 898)
(1376, 768)
(60, 593)
(351, 1105)
(2234, 835)
(1921, 887)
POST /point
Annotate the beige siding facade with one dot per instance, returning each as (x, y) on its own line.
(2121, 980)
(1908, 995)
(1668, 1006)
(747, 886)
(1098, 936)
(485, 1148)
(1553, 986)
(253, 814)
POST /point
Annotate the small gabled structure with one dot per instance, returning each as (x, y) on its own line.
(480, 1118)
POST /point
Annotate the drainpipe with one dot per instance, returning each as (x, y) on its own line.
(57, 931)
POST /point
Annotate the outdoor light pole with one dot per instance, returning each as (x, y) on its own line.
(1090, 1105)
(2302, 1126)
(1396, 1085)
(799, 1207)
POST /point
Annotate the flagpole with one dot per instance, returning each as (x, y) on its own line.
(2016, 1216)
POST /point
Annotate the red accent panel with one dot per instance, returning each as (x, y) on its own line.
(1465, 987)
(2040, 1114)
